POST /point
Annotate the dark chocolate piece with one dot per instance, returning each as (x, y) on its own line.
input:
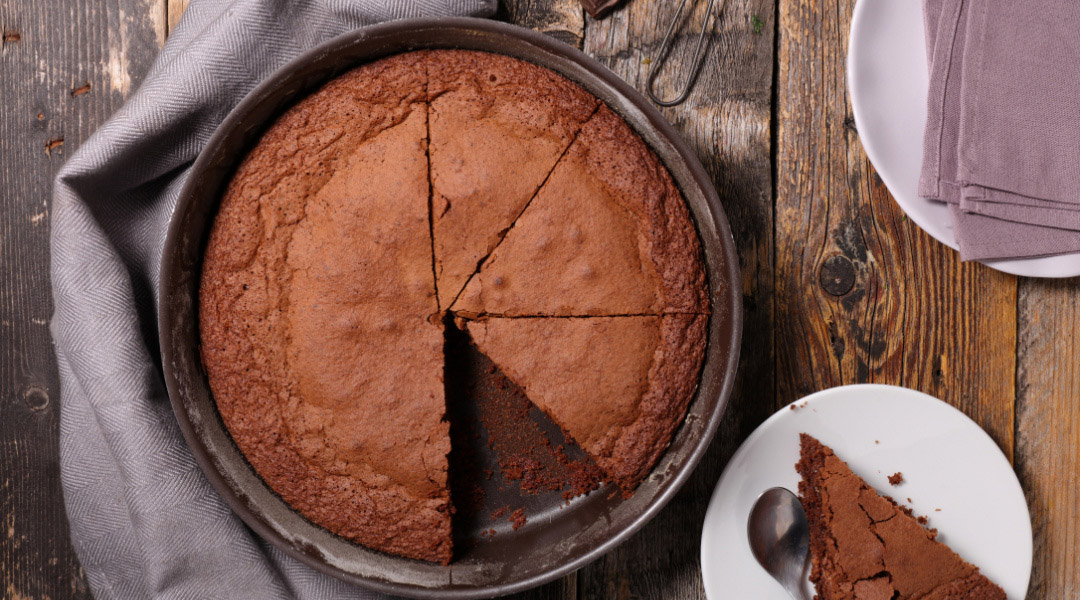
(599, 8)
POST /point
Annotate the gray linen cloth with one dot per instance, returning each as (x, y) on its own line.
(144, 521)
(1002, 140)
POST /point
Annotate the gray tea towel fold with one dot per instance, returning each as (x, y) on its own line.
(144, 521)
(1002, 140)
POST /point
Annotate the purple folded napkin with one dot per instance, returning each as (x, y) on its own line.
(1002, 140)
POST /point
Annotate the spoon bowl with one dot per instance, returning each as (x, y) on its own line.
(779, 538)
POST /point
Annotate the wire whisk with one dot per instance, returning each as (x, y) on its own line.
(665, 49)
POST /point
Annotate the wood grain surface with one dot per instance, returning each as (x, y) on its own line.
(64, 68)
(838, 286)
(863, 295)
(1048, 431)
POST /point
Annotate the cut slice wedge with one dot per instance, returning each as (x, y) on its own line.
(607, 234)
(619, 386)
(497, 127)
(864, 546)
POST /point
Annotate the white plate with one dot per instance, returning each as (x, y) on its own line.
(948, 462)
(888, 82)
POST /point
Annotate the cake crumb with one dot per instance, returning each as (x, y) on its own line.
(909, 501)
(498, 513)
(896, 479)
(518, 518)
(877, 441)
(922, 519)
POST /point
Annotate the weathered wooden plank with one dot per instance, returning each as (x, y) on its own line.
(1048, 431)
(65, 66)
(726, 120)
(862, 294)
(174, 9)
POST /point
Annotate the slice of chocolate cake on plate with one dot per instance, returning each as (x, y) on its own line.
(865, 546)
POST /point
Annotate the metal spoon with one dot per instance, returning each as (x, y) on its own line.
(780, 538)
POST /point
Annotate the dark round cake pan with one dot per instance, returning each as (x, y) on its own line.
(557, 539)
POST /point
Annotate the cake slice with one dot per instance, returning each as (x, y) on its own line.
(866, 547)
(619, 386)
(607, 234)
(498, 125)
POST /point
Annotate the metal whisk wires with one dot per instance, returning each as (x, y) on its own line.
(665, 49)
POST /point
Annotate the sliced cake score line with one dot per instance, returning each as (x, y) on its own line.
(536, 192)
(467, 316)
(431, 186)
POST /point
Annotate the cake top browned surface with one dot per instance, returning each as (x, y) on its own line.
(618, 385)
(866, 547)
(609, 234)
(314, 300)
(498, 126)
(385, 191)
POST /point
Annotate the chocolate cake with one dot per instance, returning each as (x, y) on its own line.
(864, 546)
(349, 229)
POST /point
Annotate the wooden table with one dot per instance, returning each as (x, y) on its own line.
(838, 286)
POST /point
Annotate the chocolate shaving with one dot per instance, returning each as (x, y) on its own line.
(599, 8)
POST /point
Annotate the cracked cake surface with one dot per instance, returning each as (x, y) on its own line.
(358, 208)
(633, 379)
(315, 292)
(498, 126)
(615, 233)
(864, 546)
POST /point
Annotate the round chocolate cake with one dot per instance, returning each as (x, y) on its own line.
(433, 190)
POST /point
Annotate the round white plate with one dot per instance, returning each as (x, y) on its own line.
(948, 462)
(888, 81)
